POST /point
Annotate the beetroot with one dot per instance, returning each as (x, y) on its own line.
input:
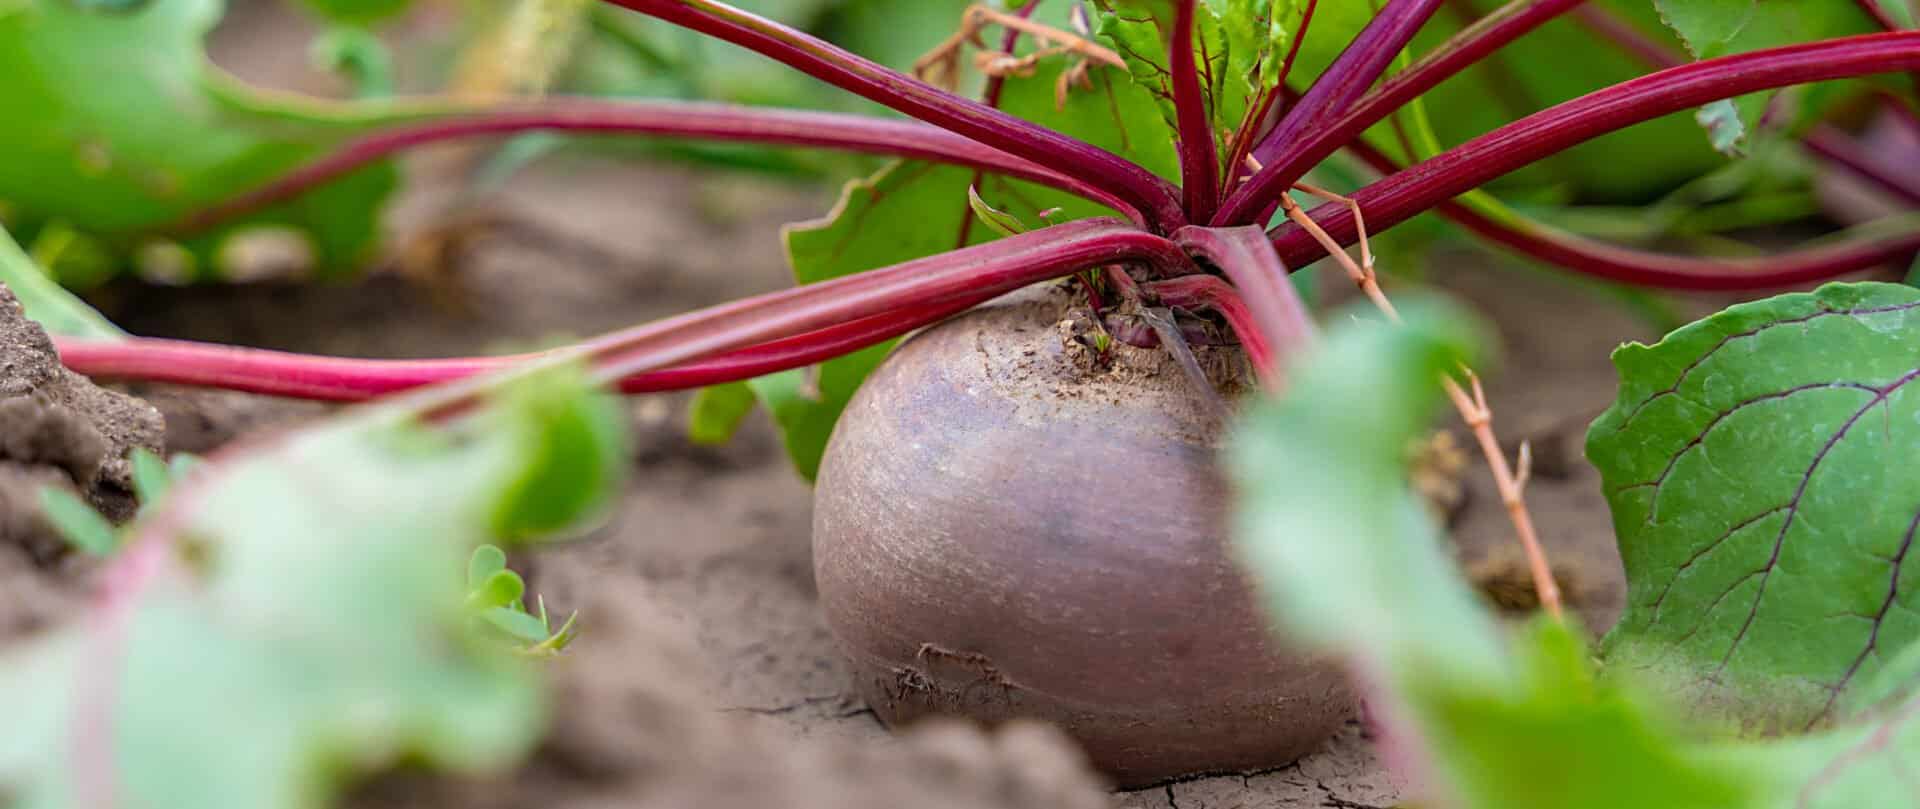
(1006, 526)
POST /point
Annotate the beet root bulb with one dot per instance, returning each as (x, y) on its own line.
(1008, 526)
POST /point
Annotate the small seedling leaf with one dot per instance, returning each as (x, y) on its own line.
(561, 638)
(517, 624)
(82, 526)
(500, 590)
(486, 561)
(359, 56)
(1003, 223)
(152, 477)
(1758, 467)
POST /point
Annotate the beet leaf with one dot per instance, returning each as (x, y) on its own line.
(1757, 466)
(121, 127)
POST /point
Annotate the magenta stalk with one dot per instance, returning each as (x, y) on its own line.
(1212, 292)
(1842, 150)
(345, 379)
(1666, 271)
(981, 271)
(846, 70)
(711, 122)
(1463, 168)
(1464, 49)
(1247, 259)
(1823, 141)
(1648, 269)
(1199, 156)
(1332, 94)
(739, 340)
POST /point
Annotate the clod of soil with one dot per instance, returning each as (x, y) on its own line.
(1006, 527)
(57, 428)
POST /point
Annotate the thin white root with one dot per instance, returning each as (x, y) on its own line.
(1359, 220)
(1473, 407)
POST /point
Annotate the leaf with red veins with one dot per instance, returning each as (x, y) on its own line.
(1759, 466)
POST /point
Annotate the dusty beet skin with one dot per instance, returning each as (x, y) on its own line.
(1007, 527)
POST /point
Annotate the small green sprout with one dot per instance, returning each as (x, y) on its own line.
(85, 529)
(494, 596)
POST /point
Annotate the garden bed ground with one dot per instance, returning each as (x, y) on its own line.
(704, 675)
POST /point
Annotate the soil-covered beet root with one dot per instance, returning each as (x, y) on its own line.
(1008, 526)
(57, 428)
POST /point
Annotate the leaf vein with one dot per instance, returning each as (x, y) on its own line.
(1793, 508)
(1879, 619)
(1754, 332)
(1701, 437)
(1703, 551)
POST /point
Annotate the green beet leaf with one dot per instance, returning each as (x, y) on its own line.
(120, 127)
(306, 626)
(1758, 466)
(78, 523)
